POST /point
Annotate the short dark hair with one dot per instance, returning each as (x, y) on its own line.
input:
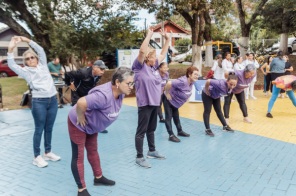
(232, 76)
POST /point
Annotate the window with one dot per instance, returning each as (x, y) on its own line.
(3, 51)
(157, 40)
(21, 50)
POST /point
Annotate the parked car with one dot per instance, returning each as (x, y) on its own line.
(291, 46)
(5, 71)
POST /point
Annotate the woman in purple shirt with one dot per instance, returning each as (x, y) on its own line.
(92, 114)
(177, 93)
(148, 93)
(213, 90)
(245, 77)
(164, 74)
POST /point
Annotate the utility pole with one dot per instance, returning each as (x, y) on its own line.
(162, 23)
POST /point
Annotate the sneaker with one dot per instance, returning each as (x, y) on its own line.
(253, 97)
(173, 138)
(162, 120)
(142, 162)
(154, 155)
(183, 134)
(83, 193)
(105, 131)
(209, 132)
(51, 157)
(247, 97)
(39, 162)
(282, 96)
(227, 128)
(269, 115)
(247, 120)
(60, 106)
(103, 181)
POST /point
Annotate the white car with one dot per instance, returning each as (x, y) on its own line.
(180, 58)
(291, 45)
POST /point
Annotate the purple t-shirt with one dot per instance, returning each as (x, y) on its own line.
(164, 80)
(242, 82)
(180, 91)
(102, 109)
(218, 88)
(147, 83)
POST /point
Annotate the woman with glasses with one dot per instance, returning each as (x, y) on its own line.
(245, 77)
(92, 114)
(44, 100)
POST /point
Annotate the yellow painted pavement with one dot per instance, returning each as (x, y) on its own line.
(281, 127)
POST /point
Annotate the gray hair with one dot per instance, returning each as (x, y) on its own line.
(250, 67)
(31, 52)
(121, 73)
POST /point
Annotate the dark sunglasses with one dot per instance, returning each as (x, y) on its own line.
(28, 58)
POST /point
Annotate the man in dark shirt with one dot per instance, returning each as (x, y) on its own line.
(84, 79)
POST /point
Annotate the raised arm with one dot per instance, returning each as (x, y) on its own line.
(165, 47)
(37, 48)
(145, 46)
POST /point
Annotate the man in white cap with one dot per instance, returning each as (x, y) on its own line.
(83, 80)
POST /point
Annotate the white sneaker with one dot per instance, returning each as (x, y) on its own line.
(39, 162)
(247, 120)
(253, 97)
(51, 157)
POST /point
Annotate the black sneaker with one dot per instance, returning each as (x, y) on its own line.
(162, 120)
(173, 138)
(183, 134)
(227, 128)
(105, 131)
(83, 193)
(209, 132)
(269, 115)
(103, 181)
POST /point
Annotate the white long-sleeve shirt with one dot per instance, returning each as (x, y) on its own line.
(38, 77)
(227, 65)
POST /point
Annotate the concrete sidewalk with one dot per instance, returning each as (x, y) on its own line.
(229, 164)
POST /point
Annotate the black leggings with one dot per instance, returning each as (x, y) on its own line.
(268, 82)
(242, 104)
(207, 103)
(171, 112)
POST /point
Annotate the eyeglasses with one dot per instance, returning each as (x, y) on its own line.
(130, 84)
(28, 58)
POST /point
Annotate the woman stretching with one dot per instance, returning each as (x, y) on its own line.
(176, 94)
(213, 90)
(287, 83)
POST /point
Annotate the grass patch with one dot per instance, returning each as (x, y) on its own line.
(12, 92)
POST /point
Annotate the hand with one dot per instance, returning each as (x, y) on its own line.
(150, 32)
(164, 34)
(81, 120)
(168, 96)
(207, 92)
(72, 86)
(13, 42)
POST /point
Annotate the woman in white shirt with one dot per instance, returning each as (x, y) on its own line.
(217, 68)
(227, 63)
(251, 60)
(44, 101)
(238, 63)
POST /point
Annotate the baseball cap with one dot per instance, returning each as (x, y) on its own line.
(100, 64)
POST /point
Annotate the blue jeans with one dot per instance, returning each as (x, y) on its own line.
(274, 96)
(44, 111)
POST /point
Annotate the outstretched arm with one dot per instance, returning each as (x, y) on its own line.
(165, 47)
(145, 46)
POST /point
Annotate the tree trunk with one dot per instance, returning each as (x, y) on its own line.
(196, 57)
(243, 46)
(209, 54)
(284, 43)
